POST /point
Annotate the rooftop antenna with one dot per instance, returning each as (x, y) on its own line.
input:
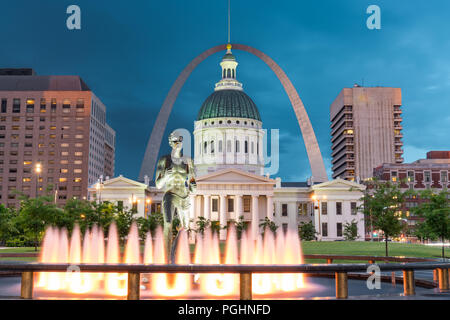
(229, 20)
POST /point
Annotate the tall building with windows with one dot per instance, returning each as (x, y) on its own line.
(366, 130)
(53, 131)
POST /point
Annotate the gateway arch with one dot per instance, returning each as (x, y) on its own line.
(312, 147)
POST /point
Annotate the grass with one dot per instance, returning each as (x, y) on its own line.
(363, 248)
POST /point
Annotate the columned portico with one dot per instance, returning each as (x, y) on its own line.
(235, 189)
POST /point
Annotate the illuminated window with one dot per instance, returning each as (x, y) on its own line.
(16, 127)
(78, 154)
(77, 171)
(52, 136)
(62, 179)
(43, 105)
(64, 145)
(78, 145)
(52, 127)
(63, 170)
(78, 161)
(26, 179)
(64, 153)
(78, 136)
(64, 162)
(394, 176)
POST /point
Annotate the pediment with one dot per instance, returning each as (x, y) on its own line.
(339, 184)
(122, 182)
(234, 176)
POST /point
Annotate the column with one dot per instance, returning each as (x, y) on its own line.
(206, 206)
(238, 209)
(270, 207)
(255, 216)
(223, 217)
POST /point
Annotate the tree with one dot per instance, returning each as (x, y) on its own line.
(351, 230)
(268, 224)
(123, 220)
(382, 204)
(307, 231)
(241, 226)
(149, 224)
(7, 223)
(202, 224)
(35, 214)
(436, 214)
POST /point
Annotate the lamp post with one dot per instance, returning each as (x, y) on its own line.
(38, 170)
(148, 203)
(317, 198)
(98, 187)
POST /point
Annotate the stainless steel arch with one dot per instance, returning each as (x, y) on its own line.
(312, 147)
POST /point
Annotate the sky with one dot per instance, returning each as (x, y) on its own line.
(130, 53)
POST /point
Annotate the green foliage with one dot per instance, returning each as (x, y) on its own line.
(202, 224)
(436, 214)
(150, 224)
(382, 202)
(215, 226)
(307, 231)
(241, 226)
(7, 224)
(35, 214)
(268, 224)
(351, 230)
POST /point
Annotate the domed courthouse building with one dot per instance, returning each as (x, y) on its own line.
(231, 185)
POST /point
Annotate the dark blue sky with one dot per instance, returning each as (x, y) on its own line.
(130, 53)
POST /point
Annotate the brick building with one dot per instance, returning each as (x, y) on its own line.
(430, 173)
(56, 124)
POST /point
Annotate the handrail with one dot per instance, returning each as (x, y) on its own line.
(245, 272)
(216, 268)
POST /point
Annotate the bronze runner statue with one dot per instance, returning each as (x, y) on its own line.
(175, 174)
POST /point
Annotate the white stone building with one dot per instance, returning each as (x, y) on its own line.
(229, 163)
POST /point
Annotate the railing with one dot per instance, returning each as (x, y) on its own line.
(245, 271)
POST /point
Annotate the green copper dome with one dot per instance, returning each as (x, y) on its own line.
(228, 103)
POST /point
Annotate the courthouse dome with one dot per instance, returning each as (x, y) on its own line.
(228, 103)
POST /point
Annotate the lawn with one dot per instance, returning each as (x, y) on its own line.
(363, 248)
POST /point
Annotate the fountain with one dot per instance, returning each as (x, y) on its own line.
(276, 248)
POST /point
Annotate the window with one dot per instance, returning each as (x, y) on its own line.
(66, 106)
(62, 179)
(339, 229)
(338, 208)
(324, 207)
(410, 176)
(4, 101)
(80, 105)
(212, 146)
(215, 205)
(444, 176)
(220, 145)
(284, 210)
(427, 176)
(324, 229)
(64, 153)
(77, 180)
(394, 176)
(205, 147)
(43, 108)
(231, 205)
(53, 106)
(247, 204)
(30, 105)
(16, 106)
(77, 171)
(353, 208)
(246, 146)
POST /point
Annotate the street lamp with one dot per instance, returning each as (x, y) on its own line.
(148, 203)
(318, 198)
(38, 170)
